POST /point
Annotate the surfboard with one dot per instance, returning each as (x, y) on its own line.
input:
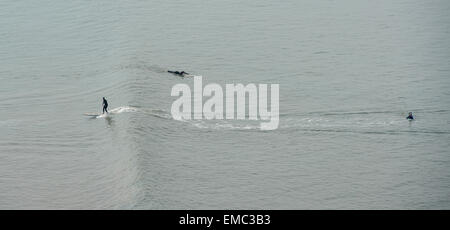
(96, 115)
(91, 114)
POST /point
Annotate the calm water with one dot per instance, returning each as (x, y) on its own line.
(348, 74)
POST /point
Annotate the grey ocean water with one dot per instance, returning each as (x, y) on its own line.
(349, 71)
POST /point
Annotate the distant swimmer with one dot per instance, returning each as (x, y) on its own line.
(410, 116)
(105, 105)
(182, 73)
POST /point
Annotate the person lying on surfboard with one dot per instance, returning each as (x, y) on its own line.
(182, 73)
(105, 105)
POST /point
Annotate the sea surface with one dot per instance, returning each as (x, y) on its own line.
(348, 71)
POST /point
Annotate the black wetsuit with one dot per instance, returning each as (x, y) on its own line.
(410, 116)
(177, 72)
(105, 106)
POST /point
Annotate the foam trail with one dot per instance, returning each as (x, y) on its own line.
(123, 109)
(102, 115)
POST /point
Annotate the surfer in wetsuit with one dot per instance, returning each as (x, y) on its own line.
(410, 116)
(182, 73)
(105, 105)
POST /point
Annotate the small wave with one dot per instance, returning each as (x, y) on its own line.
(192, 75)
(222, 125)
(145, 67)
(388, 132)
(123, 109)
(131, 109)
(159, 113)
(369, 112)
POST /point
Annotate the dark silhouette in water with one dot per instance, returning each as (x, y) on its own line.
(105, 105)
(410, 116)
(182, 73)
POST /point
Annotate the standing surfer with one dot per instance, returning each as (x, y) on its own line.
(105, 105)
